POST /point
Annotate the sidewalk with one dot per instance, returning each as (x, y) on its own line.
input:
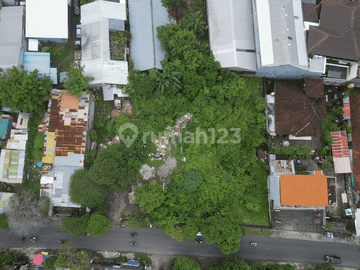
(313, 237)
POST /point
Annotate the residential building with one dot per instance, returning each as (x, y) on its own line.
(41, 62)
(65, 126)
(340, 152)
(145, 48)
(11, 37)
(98, 19)
(296, 108)
(12, 157)
(47, 20)
(288, 190)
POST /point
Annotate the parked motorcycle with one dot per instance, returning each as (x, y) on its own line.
(253, 244)
(198, 242)
(133, 243)
(21, 238)
(133, 235)
(33, 239)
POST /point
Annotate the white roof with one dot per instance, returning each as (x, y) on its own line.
(11, 36)
(342, 165)
(47, 19)
(33, 45)
(231, 33)
(280, 27)
(17, 140)
(357, 221)
(109, 92)
(96, 46)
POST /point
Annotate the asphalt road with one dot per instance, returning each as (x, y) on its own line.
(155, 241)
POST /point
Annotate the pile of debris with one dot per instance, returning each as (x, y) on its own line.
(163, 142)
(126, 107)
(167, 167)
(147, 172)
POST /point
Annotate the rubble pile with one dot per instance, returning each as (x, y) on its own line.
(163, 142)
(131, 194)
(126, 107)
(147, 172)
(166, 168)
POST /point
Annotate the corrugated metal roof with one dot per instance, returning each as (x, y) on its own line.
(95, 43)
(145, 17)
(12, 166)
(39, 61)
(10, 36)
(18, 139)
(274, 191)
(340, 151)
(281, 33)
(278, 167)
(47, 19)
(231, 33)
(54, 75)
(5, 126)
(23, 120)
(4, 202)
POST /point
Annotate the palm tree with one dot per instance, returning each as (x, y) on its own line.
(195, 22)
(168, 78)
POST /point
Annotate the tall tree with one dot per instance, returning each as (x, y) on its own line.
(168, 80)
(25, 215)
(24, 91)
(85, 192)
(77, 82)
(195, 22)
(71, 258)
(98, 225)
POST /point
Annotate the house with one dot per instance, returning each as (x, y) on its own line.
(262, 37)
(98, 19)
(51, 24)
(11, 37)
(41, 62)
(335, 40)
(288, 190)
(296, 108)
(145, 48)
(65, 126)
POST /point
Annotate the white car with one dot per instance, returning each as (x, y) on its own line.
(78, 31)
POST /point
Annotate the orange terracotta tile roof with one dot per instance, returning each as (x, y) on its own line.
(304, 190)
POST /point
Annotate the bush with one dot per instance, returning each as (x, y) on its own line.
(49, 263)
(329, 225)
(38, 146)
(192, 180)
(90, 157)
(76, 226)
(93, 135)
(169, 3)
(101, 209)
(4, 223)
(185, 263)
(122, 259)
(98, 225)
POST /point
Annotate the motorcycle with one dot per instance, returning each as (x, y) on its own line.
(253, 244)
(133, 244)
(21, 239)
(133, 235)
(33, 239)
(62, 241)
(198, 242)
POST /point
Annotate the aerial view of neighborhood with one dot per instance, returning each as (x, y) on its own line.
(180, 134)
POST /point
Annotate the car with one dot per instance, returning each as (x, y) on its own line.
(332, 259)
(78, 31)
(77, 8)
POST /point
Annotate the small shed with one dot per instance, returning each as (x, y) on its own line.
(33, 45)
(39, 61)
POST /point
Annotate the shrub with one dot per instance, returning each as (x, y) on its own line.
(102, 209)
(185, 263)
(4, 223)
(192, 180)
(76, 226)
(90, 157)
(38, 146)
(49, 263)
(121, 260)
(93, 135)
(169, 3)
(98, 225)
(329, 225)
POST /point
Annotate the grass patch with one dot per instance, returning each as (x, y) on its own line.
(45, 209)
(142, 258)
(257, 231)
(62, 54)
(137, 222)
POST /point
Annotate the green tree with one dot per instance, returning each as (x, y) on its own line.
(322, 266)
(4, 223)
(7, 258)
(49, 263)
(24, 91)
(98, 225)
(77, 82)
(115, 167)
(169, 3)
(71, 258)
(168, 80)
(233, 263)
(84, 191)
(186, 263)
(90, 157)
(76, 226)
(194, 22)
(192, 180)
(149, 196)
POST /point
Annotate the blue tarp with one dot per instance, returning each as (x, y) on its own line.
(134, 263)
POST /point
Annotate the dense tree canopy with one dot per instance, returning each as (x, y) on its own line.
(71, 258)
(186, 263)
(76, 226)
(228, 111)
(98, 225)
(24, 91)
(85, 192)
(77, 82)
(115, 167)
